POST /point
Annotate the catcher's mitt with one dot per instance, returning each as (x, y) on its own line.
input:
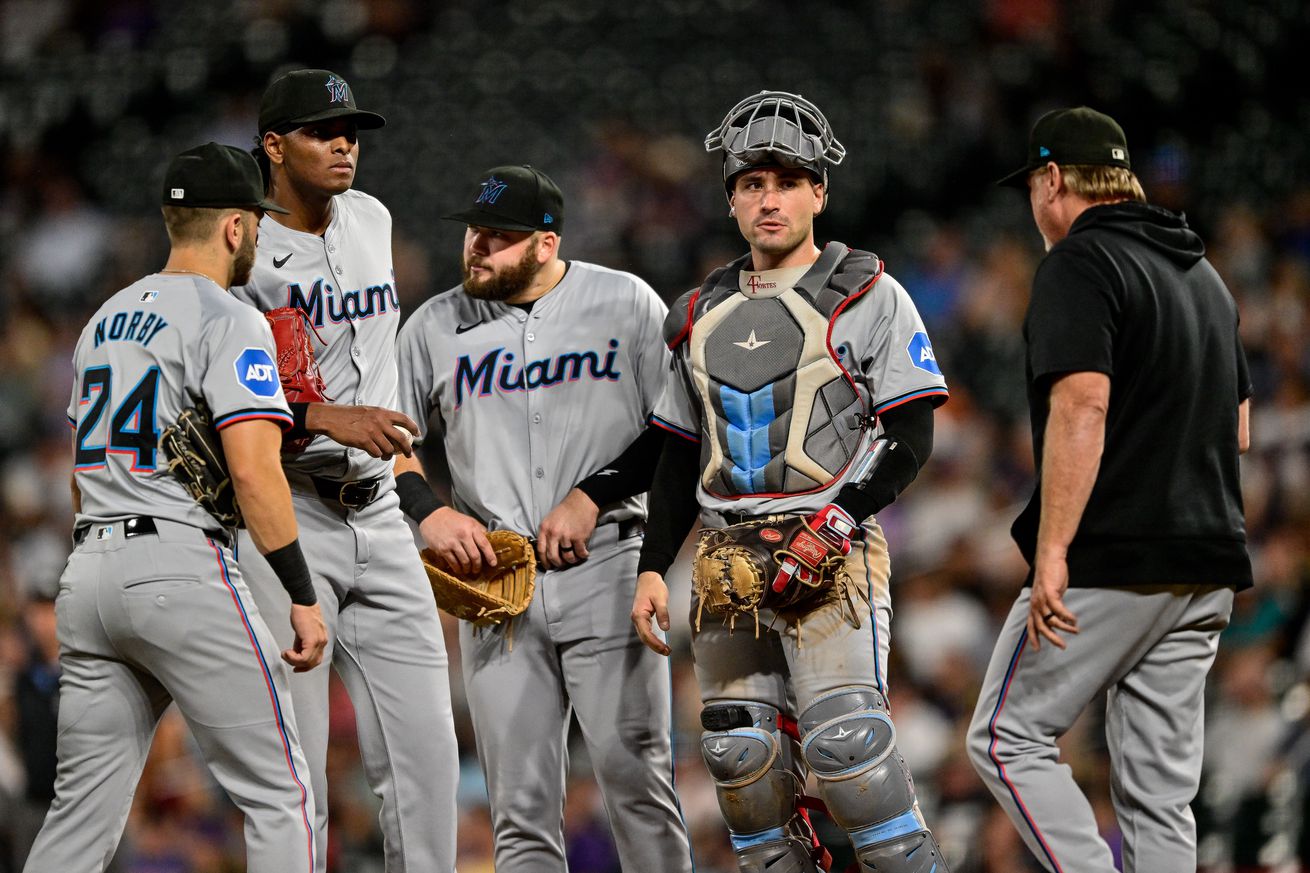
(495, 594)
(297, 368)
(735, 567)
(195, 458)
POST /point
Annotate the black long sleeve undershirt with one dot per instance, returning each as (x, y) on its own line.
(911, 427)
(629, 474)
(673, 506)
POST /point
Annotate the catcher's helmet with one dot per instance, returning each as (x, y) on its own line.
(775, 128)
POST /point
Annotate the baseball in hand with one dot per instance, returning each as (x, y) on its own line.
(409, 437)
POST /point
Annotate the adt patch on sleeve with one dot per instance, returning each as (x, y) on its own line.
(921, 356)
(256, 373)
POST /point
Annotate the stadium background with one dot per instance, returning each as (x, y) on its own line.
(933, 99)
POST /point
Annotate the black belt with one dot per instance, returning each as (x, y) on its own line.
(630, 527)
(140, 525)
(352, 495)
(742, 517)
(731, 518)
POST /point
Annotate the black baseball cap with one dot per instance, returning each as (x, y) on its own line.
(1072, 136)
(514, 198)
(215, 176)
(304, 96)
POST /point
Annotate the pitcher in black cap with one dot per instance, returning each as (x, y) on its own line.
(152, 608)
(330, 258)
(1140, 400)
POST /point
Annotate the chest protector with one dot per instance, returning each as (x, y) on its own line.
(780, 413)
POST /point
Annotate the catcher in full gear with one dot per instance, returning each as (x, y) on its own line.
(801, 398)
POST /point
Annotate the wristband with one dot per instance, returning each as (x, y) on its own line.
(298, 413)
(289, 564)
(416, 497)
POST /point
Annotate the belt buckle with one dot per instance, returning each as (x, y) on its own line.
(366, 494)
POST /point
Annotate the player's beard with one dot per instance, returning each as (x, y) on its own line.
(508, 282)
(244, 261)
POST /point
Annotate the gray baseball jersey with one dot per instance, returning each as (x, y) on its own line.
(528, 404)
(151, 351)
(880, 341)
(588, 359)
(345, 283)
(151, 604)
(385, 639)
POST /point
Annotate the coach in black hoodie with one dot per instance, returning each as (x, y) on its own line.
(1139, 394)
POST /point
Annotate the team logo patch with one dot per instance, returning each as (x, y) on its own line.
(491, 191)
(256, 373)
(920, 352)
(769, 535)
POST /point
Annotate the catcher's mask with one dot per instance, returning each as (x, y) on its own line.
(775, 129)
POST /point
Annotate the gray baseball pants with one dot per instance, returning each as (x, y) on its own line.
(1149, 650)
(575, 649)
(385, 642)
(144, 622)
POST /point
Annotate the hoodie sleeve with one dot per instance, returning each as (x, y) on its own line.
(1072, 318)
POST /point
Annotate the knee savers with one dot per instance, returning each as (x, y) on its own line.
(850, 746)
(751, 762)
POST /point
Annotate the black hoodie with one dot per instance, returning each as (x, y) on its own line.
(1129, 293)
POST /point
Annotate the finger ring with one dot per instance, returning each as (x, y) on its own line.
(566, 548)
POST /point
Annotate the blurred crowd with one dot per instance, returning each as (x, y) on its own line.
(933, 99)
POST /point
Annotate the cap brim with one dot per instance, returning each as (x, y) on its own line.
(1017, 179)
(269, 206)
(363, 120)
(485, 219)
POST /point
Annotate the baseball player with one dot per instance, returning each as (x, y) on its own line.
(330, 257)
(151, 605)
(803, 384)
(535, 374)
(1140, 398)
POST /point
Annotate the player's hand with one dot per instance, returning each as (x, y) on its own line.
(306, 652)
(378, 431)
(831, 528)
(651, 601)
(565, 530)
(458, 539)
(1047, 614)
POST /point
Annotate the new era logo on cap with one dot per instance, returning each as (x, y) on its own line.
(177, 193)
(1118, 154)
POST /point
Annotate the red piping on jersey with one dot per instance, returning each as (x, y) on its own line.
(281, 418)
(686, 328)
(845, 374)
(913, 395)
(677, 431)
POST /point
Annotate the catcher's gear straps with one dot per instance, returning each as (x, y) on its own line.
(849, 743)
(752, 762)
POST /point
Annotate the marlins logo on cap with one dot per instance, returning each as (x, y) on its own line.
(338, 90)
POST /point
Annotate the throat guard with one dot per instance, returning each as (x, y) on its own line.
(781, 415)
